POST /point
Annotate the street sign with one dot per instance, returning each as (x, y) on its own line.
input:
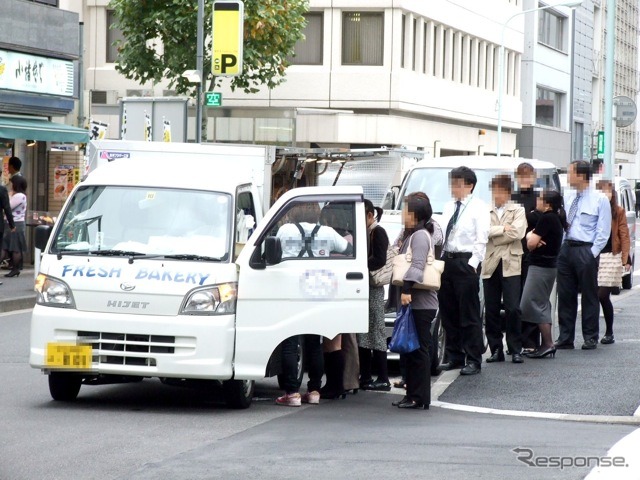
(213, 99)
(227, 35)
(626, 111)
(600, 144)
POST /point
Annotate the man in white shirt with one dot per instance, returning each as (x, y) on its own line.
(467, 220)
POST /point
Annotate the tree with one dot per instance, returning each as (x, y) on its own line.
(160, 41)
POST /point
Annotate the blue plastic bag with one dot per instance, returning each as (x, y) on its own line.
(405, 337)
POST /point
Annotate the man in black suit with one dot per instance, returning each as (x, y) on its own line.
(5, 206)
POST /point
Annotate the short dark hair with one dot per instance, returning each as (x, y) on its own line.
(502, 181)
(525, 168)
(583, 168)
(465, 174)
(16, 163)
(308, 212)
(19, 184)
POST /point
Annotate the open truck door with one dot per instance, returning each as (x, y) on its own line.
(289, 285)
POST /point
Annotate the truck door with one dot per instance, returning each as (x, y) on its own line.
(319, 284)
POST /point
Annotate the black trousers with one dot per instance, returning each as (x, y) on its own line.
(312, 345)
(577, 273)
(460, 312)
(418, 362)
(497, 290)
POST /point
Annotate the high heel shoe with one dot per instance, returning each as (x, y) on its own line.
(549, 352)
(13, 273)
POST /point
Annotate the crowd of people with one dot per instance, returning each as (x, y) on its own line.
(515, 249)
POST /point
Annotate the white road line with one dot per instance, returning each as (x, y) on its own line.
(627, 448)
(13, 312)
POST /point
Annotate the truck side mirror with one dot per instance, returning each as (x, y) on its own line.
(42, 234)
(389, 200)
(272, 250)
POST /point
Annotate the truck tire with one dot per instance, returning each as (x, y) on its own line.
(436, 348)
(238, 393)
(64, 387)
(281, 378)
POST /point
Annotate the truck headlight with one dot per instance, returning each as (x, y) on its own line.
(216, 300)
(53, 292)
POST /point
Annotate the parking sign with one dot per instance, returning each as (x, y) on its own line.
(228, 26)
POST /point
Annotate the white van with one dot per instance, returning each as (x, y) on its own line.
(148, 273)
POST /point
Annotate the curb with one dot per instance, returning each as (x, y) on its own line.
(19, 303)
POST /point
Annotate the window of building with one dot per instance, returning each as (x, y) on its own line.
(113, 35)
(404, 40)
(309, 50)
(551, 28)
(578, 141)
(362, 38)
(548, 106)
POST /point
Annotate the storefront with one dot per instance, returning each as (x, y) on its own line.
(38, 92)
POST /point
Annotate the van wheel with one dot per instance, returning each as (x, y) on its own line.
(238, 393)
(436, 348)
(627, 280)
(281, 378)
(64, 387)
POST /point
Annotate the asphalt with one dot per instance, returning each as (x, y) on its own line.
(17, 293)
(604, 382)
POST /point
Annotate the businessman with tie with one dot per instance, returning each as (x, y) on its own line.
(589, 220)
(467, 219)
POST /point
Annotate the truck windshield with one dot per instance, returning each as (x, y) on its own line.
(146, 221)
(435, 183)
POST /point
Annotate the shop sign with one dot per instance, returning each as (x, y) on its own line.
(32, 73)
(65, 177)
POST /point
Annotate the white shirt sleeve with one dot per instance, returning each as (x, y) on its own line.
(482, 220)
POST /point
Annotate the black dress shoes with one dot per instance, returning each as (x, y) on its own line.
(497, 356)
(397, 403)
(377, 386)
(608, 340)
(590, 344)
(412, 404)
(517, 358)
(445, 367)
(470, 369)
(564, 345)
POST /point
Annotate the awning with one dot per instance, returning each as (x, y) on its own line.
(41, 130)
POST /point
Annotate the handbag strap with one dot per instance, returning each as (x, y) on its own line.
(430, 256)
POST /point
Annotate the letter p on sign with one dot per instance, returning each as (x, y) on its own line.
(228, 31)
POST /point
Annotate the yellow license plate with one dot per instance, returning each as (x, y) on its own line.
(68, 355)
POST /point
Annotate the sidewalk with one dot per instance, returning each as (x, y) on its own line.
(597, 382)
(17, 293)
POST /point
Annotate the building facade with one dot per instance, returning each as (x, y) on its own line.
(370, 73)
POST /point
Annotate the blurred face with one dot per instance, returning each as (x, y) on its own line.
(500, 195)
(408, 218)
(606, 189)
(574, 179)
(540, 205)
(459, 189)
(526, 181)
(370, 218)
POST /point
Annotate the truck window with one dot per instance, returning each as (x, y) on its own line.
(316, 230)
(154, 221)
(245, 220)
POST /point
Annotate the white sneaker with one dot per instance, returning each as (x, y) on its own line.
(289, 400)
(312, 398)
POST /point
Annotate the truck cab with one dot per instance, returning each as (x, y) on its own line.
(182, 277)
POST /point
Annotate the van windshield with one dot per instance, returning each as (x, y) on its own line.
(146, 221)
(435, 183)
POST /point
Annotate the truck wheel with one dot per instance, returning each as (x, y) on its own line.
(64, 387)
(436, 348)
(281, 379)
(238, 393)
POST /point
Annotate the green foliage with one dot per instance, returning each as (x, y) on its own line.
(160, 41)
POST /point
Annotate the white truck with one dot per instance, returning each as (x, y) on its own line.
(164, 263)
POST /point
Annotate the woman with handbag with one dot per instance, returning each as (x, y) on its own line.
(374, 342)
(613, 258)
(418, 227)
